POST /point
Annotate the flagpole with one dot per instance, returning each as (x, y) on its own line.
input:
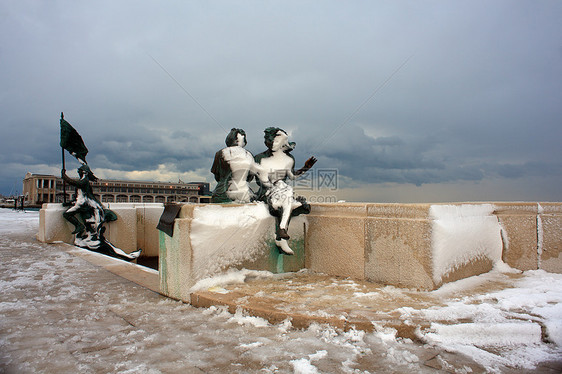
(63, 168)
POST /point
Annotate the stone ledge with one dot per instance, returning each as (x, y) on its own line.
(389, 243)
(145, 277)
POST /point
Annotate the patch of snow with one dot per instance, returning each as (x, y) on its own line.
(461, 234)
(285, 326)
(540, 238)
(303, 366)
(242, 319)
(506, 325)
(231, 276)
(222, 238)
(17, 221)
(540, 209)
(485, 334)
(251, 345)
(502, 267)
(318, 355)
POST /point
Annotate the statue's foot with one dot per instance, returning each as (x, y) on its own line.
(282, 234)
(135, 254)
(284, 248)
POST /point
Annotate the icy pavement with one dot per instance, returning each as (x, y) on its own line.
(60, 313)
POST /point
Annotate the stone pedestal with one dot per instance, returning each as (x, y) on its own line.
(209, 239)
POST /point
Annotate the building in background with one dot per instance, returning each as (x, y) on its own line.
(41, 188)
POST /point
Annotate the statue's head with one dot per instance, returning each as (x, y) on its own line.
(84, 170)
(276, 139)
(236, 137)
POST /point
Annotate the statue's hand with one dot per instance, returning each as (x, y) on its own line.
(310, 163)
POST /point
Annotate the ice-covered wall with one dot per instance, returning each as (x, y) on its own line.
(462, 234)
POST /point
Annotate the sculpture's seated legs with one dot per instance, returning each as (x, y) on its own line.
(283, 206)
(287, 214)
(78, 225)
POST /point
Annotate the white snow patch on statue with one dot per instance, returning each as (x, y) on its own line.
(241, 162)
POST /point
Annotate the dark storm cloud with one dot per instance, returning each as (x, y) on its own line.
(405, 92)
(147, 150)
(414, 160)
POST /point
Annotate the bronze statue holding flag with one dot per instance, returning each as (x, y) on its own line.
(87, 214)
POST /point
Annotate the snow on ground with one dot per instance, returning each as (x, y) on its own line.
(63, 314)
(519, 325)
(12, 221)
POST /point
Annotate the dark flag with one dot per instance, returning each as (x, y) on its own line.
(72, 141)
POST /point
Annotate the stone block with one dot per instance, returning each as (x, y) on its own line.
(416, 211)
(175, 266)
(550, 237)
(148, 216)
(399, 252)
(335, 245)
(423, 246)
(340, 209)
(122, 233)
(519, 234)
(211, 239)
(52, 225)
(187, 210)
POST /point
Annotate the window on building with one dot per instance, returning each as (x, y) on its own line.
(108, 199)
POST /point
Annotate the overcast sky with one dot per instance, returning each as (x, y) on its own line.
(409, 101)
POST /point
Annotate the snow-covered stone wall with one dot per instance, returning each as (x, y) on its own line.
(407, 245)
(212, 238)
(425, 245)
(221, 236)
